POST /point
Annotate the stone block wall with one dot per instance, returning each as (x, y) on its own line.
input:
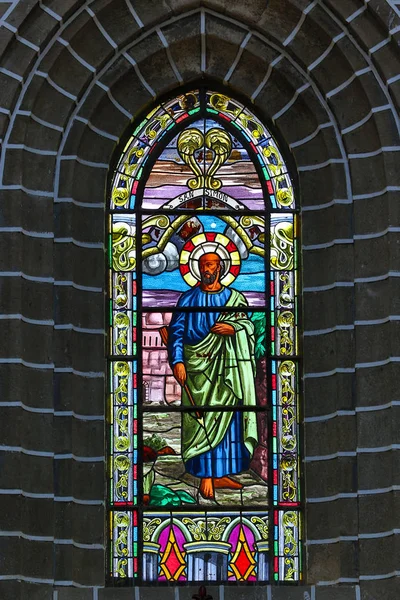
(325, 75)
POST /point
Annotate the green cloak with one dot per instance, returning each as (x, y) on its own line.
(220, 372)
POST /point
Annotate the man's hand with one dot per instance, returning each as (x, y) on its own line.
(223, 329)
(180, 373)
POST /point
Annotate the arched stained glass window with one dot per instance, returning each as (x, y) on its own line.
(203, 350)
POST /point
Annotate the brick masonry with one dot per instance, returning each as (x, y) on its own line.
(325, 75)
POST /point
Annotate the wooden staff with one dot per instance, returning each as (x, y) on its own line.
(164, 339)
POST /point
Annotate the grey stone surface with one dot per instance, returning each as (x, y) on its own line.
(323, 185)
(89, 478)
(337, 475)
(68, 518)
(365, 27)
(329, 308)
(98, 51)
(38, 27)
(151, 48)
(20, 168)
(18, 58)
(326, 438)
(87, 312)
(29, 297)
(336, 592)
(319, 149)
(337, 259)
(324, 226)
(377, 511)
(280, 19)
(323, 522)
(339, 386)
(222, 45)
(291, 593)
(71, 393)
(372, 429)
(71, 221)
(37, 393)
(377, 555)
(74, 594)
(16, 590)
(365, 254)
(94, 147)
(112, 15)
(333, 349)
(277, 92)
(379, 590)
(102, 113)
(312, 41)
(184, 41)
(48, 104)
(69, 73)
(84, 183)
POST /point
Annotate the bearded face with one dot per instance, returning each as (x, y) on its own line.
(208, 278)
(210, 268)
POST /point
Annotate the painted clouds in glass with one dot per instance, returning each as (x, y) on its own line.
(204, 464)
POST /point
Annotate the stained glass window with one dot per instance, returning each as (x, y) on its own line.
(203, 401)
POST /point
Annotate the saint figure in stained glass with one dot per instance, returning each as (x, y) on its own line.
(212, 356)
(204, 372)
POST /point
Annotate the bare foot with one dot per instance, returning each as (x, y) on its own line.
(227, 482)
(206, 488)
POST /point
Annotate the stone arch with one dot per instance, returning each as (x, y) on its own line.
(334, 97)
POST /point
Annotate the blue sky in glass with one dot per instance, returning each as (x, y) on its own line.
(246, 281)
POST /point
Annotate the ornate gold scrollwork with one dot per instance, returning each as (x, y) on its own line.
(246, 119)
(122, 443)
(213, 530)
(120, 291)
(287, 370)
(275, 167)
(134, 155)
(221, 103)
(288, 486)
(217, 528)
(220, 142)
(159, 221)
(285, 326)
(120, 195)
(123, 247)
(189, 141)
(285, 297)
(290, 522)
(121, 524)
(248, 221)
(122, 464)
(122, 567)
(282, 248)
(262, 526)
(196, 528)
(187, 101)
(288, 438)
(121, 419)
(283, 193)
(163, 120)
(288, 470)
(122, 323)
(149, 527)
(122, 370)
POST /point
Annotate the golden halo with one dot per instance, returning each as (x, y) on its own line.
(203, 243)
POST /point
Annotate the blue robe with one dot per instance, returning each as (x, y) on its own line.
(230, 456)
